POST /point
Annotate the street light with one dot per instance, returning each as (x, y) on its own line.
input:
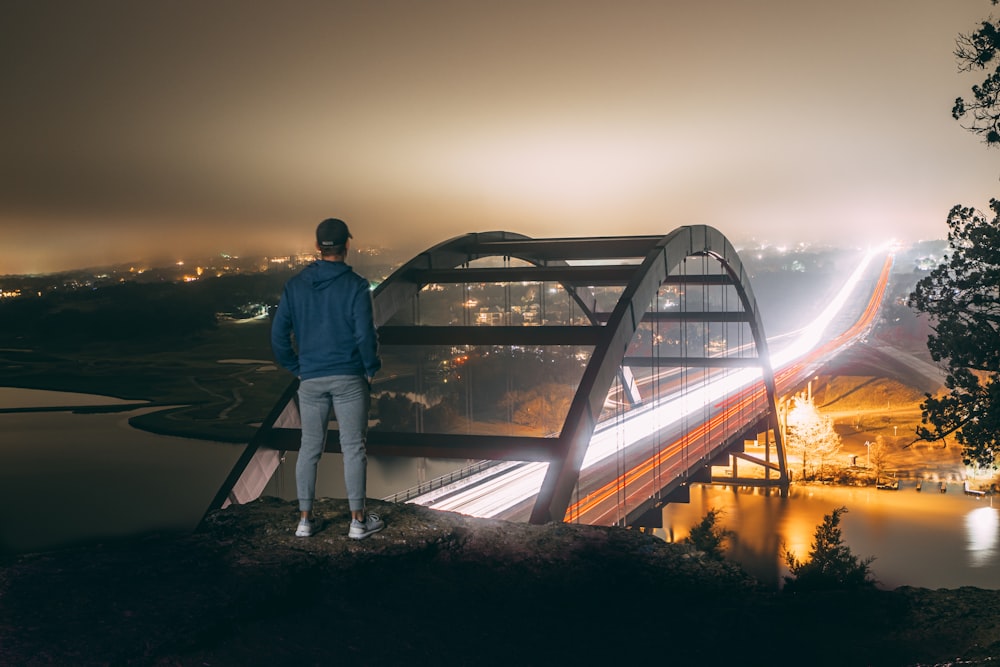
(868, 455)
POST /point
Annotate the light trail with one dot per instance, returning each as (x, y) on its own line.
(504, 491)
(592, 503)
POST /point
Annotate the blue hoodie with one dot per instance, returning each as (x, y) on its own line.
(328, 308)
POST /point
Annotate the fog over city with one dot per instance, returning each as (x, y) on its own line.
(158, 130)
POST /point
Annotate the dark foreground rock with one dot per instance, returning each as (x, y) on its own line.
(443, 589)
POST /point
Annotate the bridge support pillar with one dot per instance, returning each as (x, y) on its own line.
(682, 494)
(651, 519)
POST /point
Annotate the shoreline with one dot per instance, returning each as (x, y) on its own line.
(123, 407)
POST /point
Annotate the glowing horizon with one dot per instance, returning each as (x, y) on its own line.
(555, 120)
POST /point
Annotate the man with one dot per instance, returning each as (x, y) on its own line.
(327, 308)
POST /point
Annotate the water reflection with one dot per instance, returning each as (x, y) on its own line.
(938, 540)
(15, 398)
(68, 477)
(981, 528)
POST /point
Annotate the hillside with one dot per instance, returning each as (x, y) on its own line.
(444, 589)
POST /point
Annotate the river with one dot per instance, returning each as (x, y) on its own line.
(68, 477)
(919, 538)
(71, 477)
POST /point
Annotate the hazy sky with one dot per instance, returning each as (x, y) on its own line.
(136, 129)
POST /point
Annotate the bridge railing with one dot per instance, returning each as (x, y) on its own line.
(440, 482)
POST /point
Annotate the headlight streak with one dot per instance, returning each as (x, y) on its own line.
(520, 483)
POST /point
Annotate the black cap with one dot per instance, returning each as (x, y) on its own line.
(332, 232)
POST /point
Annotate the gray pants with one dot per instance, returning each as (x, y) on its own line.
(350, 397)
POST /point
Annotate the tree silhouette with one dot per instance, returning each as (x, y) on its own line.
(977, 51)
(960, 295)
(878, 455)
(543, 407)
(810, 434)
(707, 536)
(831, 565)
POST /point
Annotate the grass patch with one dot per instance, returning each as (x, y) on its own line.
(849, 392)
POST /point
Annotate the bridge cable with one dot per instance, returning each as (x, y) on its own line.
(418, 406)
(415, 308)
(509, 350)
(619, 458)
(705, 327)
(467, 370)
(725, 347)
(655, 378)
(657, 373)
(685, 369)
(541, 302)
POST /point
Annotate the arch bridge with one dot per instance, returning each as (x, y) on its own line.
(623, 366)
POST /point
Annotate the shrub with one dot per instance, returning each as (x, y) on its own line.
(709, 537)
(831, 565)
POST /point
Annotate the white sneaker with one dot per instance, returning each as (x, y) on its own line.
(305, 528)
(360, 530)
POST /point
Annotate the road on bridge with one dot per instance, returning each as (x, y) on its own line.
(631, 450)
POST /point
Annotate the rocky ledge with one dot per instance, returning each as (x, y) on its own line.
(437, 588)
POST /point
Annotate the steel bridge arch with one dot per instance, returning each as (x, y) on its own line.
(666, 255)
(405, 283)
(550, 260)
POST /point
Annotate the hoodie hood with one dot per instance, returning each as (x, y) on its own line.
(322, 273)
(327, 309)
